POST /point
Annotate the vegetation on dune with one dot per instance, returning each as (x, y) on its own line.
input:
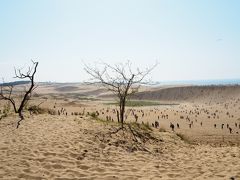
(184, 138)
(123, 84)
(6, 110)
(34, 109)
(7, 92)
(132, 137)
(143, 126)
(120, 80)
(140, 103)
(79, 96)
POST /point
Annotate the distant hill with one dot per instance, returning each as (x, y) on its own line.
(67, 88)
(191, 93)
(14, 83)
(188, 93)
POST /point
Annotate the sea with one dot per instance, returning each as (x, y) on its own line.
(201, 82)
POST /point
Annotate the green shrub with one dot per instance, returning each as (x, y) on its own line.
(93, 115)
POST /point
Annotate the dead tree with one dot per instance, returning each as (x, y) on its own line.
(7, 94)
(120, 80)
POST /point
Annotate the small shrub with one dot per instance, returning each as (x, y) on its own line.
(36, 109)
(146, 126)
(51, 112)
(3, 116)
(6, 108)
(76, 113)
(93, 115)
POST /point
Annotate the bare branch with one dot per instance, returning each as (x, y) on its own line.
(119, 79)
(6, 92)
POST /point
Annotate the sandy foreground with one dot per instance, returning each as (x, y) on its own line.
(56, 147)
(72, 145)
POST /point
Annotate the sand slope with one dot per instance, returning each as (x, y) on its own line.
(56, 147)
(191, 93)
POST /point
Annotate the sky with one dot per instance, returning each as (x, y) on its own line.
(190, 39)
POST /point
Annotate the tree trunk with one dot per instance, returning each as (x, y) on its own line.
(118, 116)
(21, 118)
(122, 111)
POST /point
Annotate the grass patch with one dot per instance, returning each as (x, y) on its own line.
(87, 99)
(140, 103)
(77, 96)
(145, 126)
(95, 116)
(104, 121)
(33, 109)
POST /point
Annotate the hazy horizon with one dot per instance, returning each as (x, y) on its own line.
(191, 40)
(202, 82)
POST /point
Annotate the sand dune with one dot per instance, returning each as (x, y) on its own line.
(50, 147)
(165, 93)
(74, 146)
(67, 88)
(191, 93)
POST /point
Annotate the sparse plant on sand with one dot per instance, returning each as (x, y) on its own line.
(123, 82)
(7, 93)
(35, 109)
(137, 103)
(120, 80)
(94, 115)
(143, 126)
(6, 109)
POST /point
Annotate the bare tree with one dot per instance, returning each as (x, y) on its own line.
(7, 94)
(119, 79)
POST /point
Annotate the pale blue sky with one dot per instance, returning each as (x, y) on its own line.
(191, 39)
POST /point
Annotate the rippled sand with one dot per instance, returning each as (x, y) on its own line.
(55, 147)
